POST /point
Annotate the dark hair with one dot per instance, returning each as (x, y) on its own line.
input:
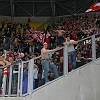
(67, 35)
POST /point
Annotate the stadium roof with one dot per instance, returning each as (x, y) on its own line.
(43, 8)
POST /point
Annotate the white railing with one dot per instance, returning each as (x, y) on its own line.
(14, 79)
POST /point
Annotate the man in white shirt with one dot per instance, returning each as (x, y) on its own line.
(71, 51)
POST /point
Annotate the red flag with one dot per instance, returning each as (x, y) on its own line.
(94, 7)
(37, 35)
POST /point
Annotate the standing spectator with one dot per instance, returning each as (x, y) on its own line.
(40, 72)
(52, 41)
(71, 51)
(60, 33)
(3, 23)
(7, 39)
(21, 43)
(4, 61)
(15, 43)
(30, 42)
(46, 63)
(35, 75)
(25, 78)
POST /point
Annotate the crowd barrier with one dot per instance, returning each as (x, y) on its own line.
(20, 82)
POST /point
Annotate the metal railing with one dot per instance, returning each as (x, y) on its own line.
(20, 79)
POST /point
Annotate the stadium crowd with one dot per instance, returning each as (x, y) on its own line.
(23, 46)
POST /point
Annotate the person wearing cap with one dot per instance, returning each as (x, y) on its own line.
(46, 64)
(71, 50)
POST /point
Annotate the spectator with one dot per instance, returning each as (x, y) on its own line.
(46, 64)
(71, 51)
(3, 24)
(3, 60)
(52, 41)
(25, 79)
(40, 73)
(60, 33)
(35, 75)
(7, 39)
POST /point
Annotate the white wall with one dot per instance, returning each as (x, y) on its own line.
(82, 84)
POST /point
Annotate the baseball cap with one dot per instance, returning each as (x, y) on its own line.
(45, 43)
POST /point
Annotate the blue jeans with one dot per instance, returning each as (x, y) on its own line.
(72, 58)
(60, 40)
(41, 81)
(46, 65)
(20, 47)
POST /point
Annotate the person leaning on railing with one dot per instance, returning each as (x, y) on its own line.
(71, 51)
(46, 64)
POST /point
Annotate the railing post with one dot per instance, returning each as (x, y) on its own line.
(10, 78)
(93, 48)
(21, 79)
(65, 69)
(5, 72)
(19, 71)
(30, 76)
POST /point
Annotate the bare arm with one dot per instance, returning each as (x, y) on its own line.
(55, 31)
(46, 51)
(74, 42)
(63, 31)
(69, 43)
(5, 54)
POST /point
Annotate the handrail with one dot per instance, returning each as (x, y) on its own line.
(31, 63)
(62, 47)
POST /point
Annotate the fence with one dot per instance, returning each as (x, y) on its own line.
(20, 80)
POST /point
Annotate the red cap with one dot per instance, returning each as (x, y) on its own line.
(45, 43)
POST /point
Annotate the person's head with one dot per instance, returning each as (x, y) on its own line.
(68, 37)
(45, 45)
(61, 59)
(59, 27)
(26, 58)
(25, 65)
(38, 61)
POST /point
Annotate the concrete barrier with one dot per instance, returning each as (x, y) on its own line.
(81, 84)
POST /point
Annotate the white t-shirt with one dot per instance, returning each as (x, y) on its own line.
(35, 73)
(70, 46)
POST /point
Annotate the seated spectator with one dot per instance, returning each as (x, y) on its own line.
(51, 75)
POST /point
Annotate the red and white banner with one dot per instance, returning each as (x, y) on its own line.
(94, 7)
(37, 35)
